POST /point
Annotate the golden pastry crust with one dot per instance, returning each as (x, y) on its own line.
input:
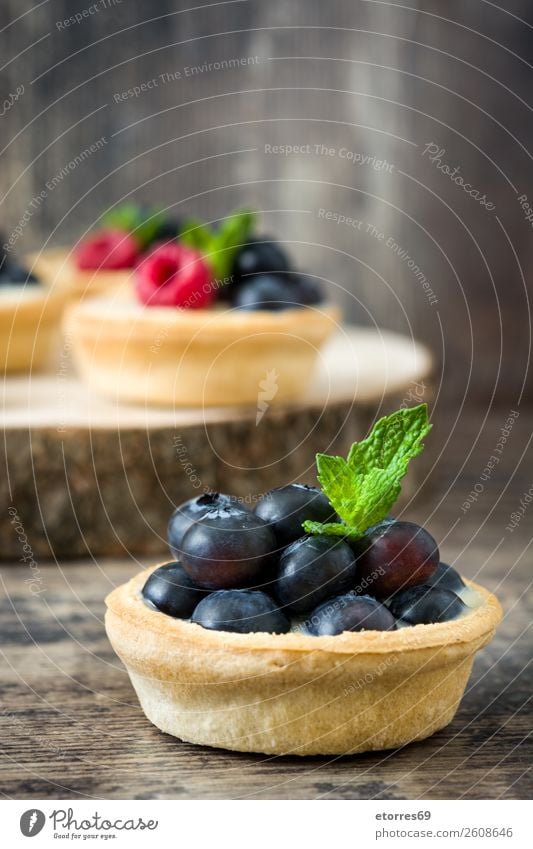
(56, 266)
(294, 693)
(197, 357)
(29, 326)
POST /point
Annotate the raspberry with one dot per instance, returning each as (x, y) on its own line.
(108, 249)
(174, 276)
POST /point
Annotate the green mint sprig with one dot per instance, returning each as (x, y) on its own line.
(219, 246)
(143, 223)
(363, 488)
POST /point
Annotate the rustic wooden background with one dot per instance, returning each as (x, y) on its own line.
(376, 78)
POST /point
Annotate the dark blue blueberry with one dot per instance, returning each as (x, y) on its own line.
(169, 229)
(394, 555)
(241, 611)
(387, 520)
(349, 612)
(287, 507)
(356, 544)
(309, 291)
(228, 548)
(170, 589)
(191, 511)
(11, 272)
(446, 578)
(266, 292)
(260, 255)
(425, 605)
(313, 569)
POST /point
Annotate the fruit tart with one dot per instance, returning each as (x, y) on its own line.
(103, 262)
(314, 624)
(216, 316)
(30, 315)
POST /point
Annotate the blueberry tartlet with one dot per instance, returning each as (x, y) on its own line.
(212, 316)
(30, 315)
(315, 624)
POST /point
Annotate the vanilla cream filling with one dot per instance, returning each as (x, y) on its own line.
(13, 293)
(469, 596)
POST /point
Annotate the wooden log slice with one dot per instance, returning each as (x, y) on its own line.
(83, 476)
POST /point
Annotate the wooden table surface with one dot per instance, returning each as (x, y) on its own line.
(72, 728)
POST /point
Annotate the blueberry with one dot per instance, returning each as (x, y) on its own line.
(425, 605)
(188, 513)
(170, 589)
(357, 545)
(395, 555)
(309, 291)
(170, 228)
(11, 272)
(241, 611)
(18, 274)
(287, 507)
(228, 548)
(349, 612)
(313, 569)
(446, 578)
(266, 292)
(259, 256)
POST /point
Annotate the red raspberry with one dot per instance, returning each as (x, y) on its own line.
(108, 250)
(174, 276)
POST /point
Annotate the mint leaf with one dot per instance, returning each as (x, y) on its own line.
(143, 223)
(338, 481)
(363, 488)
(196, 235)
(333, 529)
(394, 439)
(236, 229)
(124, 217)
(219, 245)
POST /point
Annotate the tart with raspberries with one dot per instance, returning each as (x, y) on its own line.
(213, 316)
(103, 262)
(30, 317)
(316, 624)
